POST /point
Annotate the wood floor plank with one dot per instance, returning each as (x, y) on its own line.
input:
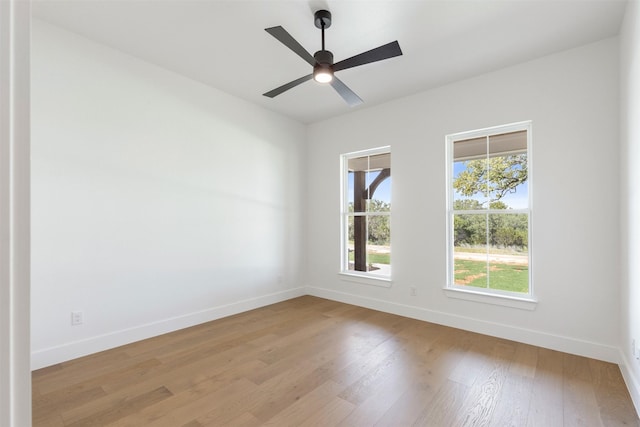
(483, 395)
(79, 370)
(362, 365)
(59, 401)
(291, 385)
(436, 360)
(330, 415)
(443, 408)
(376, 379)
(401, 394)
(353, 339)
(473, 363)
(121, 410)
(580, 407)
(576, 367)
(199, 398)
(514, 401)
(524, 361)
(546, 407)
(245, 420)
(189, 405)
(314, 362)
(374, 406)
(307, 406)
(614, 402)
(314, 337)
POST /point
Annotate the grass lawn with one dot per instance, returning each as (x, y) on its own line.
(505, 277)
(375, 258)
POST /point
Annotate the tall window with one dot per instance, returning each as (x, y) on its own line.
(366, 213)
(489, 190)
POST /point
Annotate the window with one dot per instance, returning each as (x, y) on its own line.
(489, 188)
(366, 213)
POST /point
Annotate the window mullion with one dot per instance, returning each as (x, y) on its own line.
(488, 238)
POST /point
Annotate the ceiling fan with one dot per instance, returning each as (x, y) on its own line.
(322, 61)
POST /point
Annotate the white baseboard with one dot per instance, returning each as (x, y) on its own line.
(527, 336)
(633, 383)
(52, 355)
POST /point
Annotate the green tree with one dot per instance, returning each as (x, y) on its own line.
(493, 178)
(470, 230)
(466, 205)
(379, 228)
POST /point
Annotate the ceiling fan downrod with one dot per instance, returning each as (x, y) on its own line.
(323, 71)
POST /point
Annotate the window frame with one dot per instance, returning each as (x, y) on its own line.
(488, 295)
(363, 277)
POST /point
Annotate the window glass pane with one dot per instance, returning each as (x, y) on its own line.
(379, 245)
(383, 193)
(369, 178)
(349, 243)
(508, 252)
(470, 163)
(508, 182)
(350, 196)
(366, 176)
(507, 171)
(359, 243)
(470, 250)
(357, 190)
(377, 182)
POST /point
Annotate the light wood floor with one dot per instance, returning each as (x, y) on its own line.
(314, 362)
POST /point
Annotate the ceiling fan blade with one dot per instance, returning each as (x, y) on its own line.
(386, 51)
(286, 39)
(347, 94)
(277, 91)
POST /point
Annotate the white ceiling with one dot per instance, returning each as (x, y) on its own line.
(223, 43)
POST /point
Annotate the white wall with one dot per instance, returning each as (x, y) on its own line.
(572, 99)
(630, 195)
(158, 202)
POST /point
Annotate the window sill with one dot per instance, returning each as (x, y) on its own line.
(366, 279)
(495, 299)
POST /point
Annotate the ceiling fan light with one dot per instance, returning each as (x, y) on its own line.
(322, 75)
(323, 70)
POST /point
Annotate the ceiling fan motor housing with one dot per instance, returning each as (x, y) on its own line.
(324, 57)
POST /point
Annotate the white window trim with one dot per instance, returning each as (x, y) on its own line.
(365, 279)
(345, 274)
(484, 295)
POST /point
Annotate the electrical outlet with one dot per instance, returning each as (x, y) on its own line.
(413, 291)
(77, 318)
(636, 349)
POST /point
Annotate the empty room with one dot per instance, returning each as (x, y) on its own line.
(329, 213)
